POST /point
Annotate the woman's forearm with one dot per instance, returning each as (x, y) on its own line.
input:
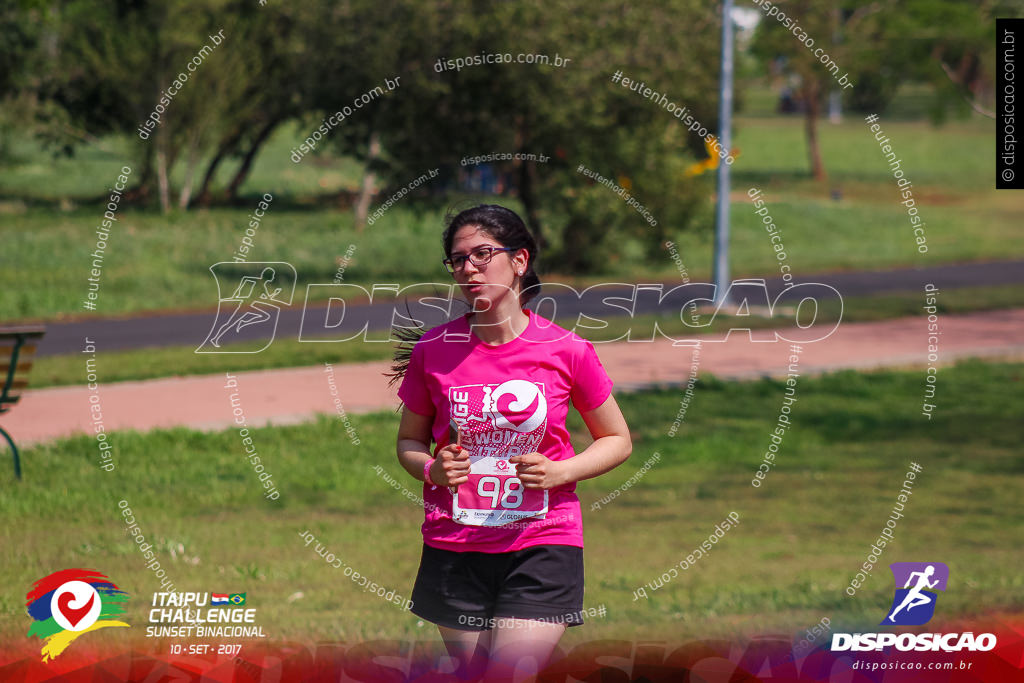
(413, 455)
(605, 454)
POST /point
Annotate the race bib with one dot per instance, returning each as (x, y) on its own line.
(498, 421)
(494, 495)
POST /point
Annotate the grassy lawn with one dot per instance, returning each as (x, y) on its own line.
(152, 262)
(67, 369)
(802, 534)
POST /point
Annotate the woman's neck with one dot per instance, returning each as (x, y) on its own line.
(499, 325)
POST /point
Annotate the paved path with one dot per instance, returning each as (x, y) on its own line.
(293, 395)
(112, 333)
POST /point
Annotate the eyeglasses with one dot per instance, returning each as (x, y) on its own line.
(478, 257)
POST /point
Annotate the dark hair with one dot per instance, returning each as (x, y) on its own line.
(505, 226)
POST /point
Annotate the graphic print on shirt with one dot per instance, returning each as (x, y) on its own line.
(498, 421)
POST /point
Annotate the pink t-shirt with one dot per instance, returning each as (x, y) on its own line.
(507, 399)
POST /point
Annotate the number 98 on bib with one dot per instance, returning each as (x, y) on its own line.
(494, 496)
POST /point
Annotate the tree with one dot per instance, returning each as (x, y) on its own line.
(821, 20)
(883, 44)
(574, 114)
(944, 43)
(305, 61)
(21, 33)
(111, 81)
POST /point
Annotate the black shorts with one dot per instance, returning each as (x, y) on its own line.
(474, 591)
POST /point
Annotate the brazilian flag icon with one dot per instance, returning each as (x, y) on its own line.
(237, 599)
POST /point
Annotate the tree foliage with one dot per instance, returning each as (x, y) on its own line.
(94, 68)
(882, 44)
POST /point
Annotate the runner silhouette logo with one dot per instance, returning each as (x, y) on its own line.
(916, 586)
(249, 301)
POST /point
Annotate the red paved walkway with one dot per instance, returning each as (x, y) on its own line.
(296, 394)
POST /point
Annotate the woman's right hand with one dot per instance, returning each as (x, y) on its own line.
(451, 466)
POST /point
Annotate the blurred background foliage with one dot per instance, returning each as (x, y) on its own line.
(89, 72)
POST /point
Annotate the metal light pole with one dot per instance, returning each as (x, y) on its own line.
(720, 269)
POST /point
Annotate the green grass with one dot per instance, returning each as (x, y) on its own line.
(118, 366)
(154, 262)
(36, 175)
(956, 156)
(802, 535)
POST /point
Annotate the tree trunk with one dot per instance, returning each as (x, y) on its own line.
(161, 178)
(190, 167)
(526, 184)
(369, 181)
(144, 188)
(250, 156)
(811, 110)
(577, 257)
(226, 147)
(529, 199)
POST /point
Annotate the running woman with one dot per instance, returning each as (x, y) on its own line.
(501, 572)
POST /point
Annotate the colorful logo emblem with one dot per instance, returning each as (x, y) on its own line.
(914, 603)
(68, 603)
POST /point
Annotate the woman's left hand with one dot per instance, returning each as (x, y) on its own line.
(536, 471)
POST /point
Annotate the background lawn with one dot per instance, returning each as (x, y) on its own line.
(801, 538)
(153, 261)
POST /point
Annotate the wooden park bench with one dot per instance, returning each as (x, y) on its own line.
(17, 345)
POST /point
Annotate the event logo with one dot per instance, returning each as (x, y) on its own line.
(188, 614)
(914, 603)
(255, 303)
(69, 603)
(517, 405)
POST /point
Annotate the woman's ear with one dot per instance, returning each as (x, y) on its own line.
(521, 261)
